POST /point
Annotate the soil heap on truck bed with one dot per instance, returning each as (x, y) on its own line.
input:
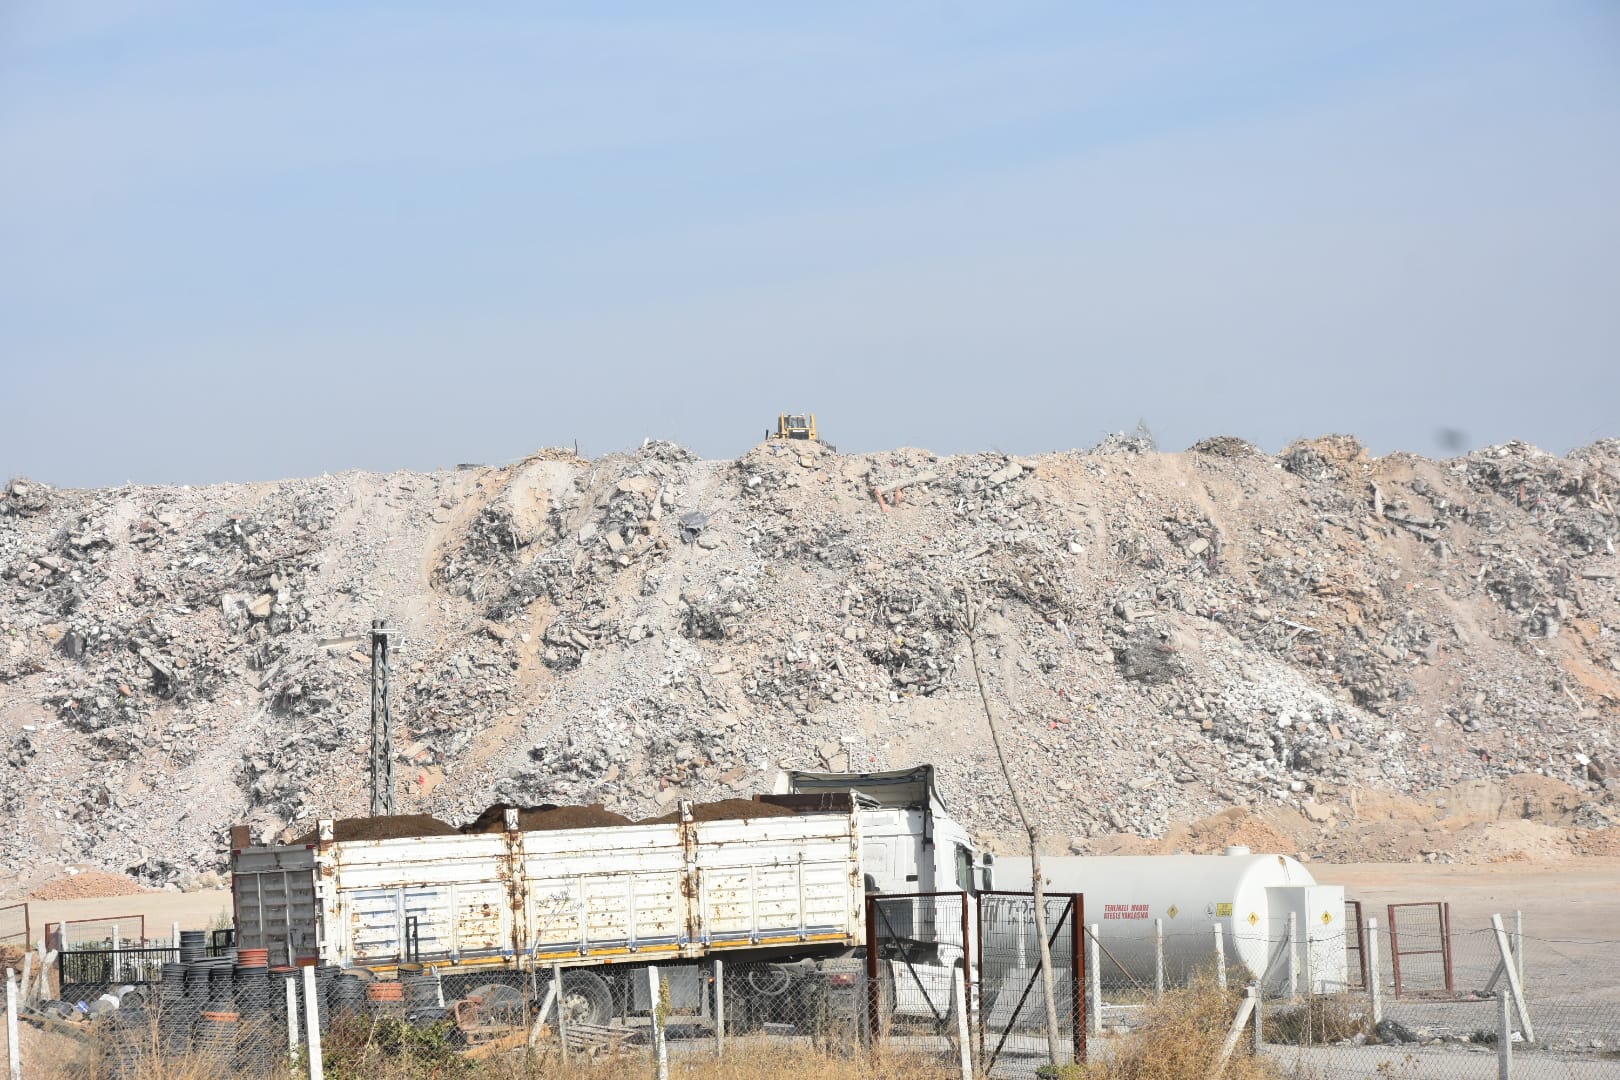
(724, 810)
(542, 818)
(1302, 636)
(396, 827)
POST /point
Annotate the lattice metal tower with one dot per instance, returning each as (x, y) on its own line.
(382, 724)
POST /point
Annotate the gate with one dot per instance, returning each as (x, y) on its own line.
(917, 943)
(14, 926)
(1420, 930)
(113, 932)
(1012, 1006)
(1355, 942)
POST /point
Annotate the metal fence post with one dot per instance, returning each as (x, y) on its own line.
(1293, 960)
(1158, 959)
(1220, 959)
(719, 1006)
(964, 1045)
(1445, 945)
(660, 1044)
(1516, 987)
(1255, 996)
(1504, 1038)
(1373, 977)
(1077, 966)
(13, 1050)
(562, 1010)
(1094, 977)
(1518, 943)
(874, 998)
(292, 1019)
(312, 1026)
(174, 936)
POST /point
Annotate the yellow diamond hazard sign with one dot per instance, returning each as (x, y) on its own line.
(1172, 911)
(1254, 917)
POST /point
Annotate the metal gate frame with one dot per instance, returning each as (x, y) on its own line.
(56, 933)
(874, 1004)
(1443, 910)
(1075, 909)
(28, 928)
(1358, 942)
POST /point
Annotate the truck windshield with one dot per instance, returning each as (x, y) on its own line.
(964, 869)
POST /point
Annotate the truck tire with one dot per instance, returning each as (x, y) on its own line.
(586, 998)
(841, 1020)
(755, 994)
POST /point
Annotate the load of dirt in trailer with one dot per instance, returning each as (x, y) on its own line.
(396, 827)
(545, 817)
(723, 810)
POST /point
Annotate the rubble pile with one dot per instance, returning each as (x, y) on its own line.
(1166, 636)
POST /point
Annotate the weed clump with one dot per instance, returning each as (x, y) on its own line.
(1180, 1038)
(1322, 1019)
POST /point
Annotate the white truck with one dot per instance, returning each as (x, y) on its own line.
(780, 898)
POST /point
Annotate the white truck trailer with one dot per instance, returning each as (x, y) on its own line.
(782, 896)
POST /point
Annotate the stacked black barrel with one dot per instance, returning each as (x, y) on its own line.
(228, 1008)
(214, 1037)
(232, 1008)
(254, 1042)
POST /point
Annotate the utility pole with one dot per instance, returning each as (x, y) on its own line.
(382, 724)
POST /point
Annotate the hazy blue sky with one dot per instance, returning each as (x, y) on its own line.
(253, 240)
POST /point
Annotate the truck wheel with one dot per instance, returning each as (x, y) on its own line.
(841, 1008)
(585, 999)
(752, 994)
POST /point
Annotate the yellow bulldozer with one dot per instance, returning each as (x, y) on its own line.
(798, 426)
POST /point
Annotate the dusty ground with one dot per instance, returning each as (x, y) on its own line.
(1569, 916)
(194, 910)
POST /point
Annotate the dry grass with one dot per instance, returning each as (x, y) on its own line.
(1180, 1038)
(377, 1053)
(1322, 1019)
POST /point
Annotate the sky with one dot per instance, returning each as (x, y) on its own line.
(246, 241)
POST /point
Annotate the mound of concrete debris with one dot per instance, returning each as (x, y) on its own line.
(1167, 636)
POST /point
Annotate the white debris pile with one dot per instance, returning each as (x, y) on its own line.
(1166, 635)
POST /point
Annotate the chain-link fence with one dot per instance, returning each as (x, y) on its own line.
(1426, 997)
(111, 932)
(951, 985)
(15, 931)
(1012, 1018)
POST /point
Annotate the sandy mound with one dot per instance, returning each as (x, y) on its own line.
(86, 886)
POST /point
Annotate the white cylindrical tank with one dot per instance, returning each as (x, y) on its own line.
(1249, 895)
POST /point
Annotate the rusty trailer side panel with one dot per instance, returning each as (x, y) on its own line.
(439, 896)
(604, 892)
(570, 896)
(779, 880)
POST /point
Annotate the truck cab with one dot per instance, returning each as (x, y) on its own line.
(913, 849)
(909, 843)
